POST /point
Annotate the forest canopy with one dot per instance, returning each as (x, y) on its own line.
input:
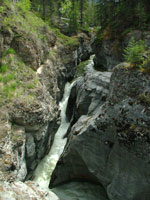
(112, 16)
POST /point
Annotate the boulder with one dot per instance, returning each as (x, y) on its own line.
(89, 92)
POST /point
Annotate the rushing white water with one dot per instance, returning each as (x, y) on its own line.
(43, 172)
(90, 66)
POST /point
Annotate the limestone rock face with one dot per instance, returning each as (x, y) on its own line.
(112, 147)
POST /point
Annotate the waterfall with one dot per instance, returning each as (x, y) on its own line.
(90, 66)
(75, 55)
(43, 172)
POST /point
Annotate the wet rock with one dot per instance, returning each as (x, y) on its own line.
(80, 190)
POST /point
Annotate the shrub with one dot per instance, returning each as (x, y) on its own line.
(81, 68)
(133, 53)
(2, 9)
(146, 65)
(9, 51)
(25, 5)
(8, 78)
(3, 68)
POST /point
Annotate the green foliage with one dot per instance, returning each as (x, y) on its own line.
(126, 31)
(133, 53)
(81, 68)
(26, 21)
(74, 18)
(2, 9)
(146, 65)
(72, 42)
(124, 15)
(66, 7)
(16, 79)
(9, 51)
(7, 78)
(141, 15)
(145, 98)
(69, 41)
(1, 77)
(24, 5)
(3, 68)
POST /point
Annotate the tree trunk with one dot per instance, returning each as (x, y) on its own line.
(44, 10)
(81, 12)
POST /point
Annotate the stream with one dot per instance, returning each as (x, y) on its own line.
(43, 172)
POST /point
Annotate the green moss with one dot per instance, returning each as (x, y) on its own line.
(9, 51)
(145, 98)
(3, 68)
(69, 41)
(81, 68)
(72, 41)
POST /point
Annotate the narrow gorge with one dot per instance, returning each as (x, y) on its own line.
(74, 116)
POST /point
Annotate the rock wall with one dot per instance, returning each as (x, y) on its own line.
(109, 53)
(38, 64)
(110, 146)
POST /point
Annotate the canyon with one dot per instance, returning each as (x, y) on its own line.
(107, 151)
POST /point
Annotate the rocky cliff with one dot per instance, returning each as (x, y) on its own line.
(109, 140)
(109, 145)
(109, 52)
(35, 63)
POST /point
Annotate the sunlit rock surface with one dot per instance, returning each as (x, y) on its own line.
(25, 191)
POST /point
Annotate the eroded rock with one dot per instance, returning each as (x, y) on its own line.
(109, 52)
(112, 147)
(26, 191)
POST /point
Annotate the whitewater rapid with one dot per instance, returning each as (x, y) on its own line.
(43, 172)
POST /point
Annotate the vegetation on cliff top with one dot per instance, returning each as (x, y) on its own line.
(138, 55)
(17, 78)
(118, 17)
